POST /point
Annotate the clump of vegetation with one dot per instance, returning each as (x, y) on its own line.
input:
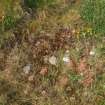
(9, 22)
(93, 12)
(34, 4)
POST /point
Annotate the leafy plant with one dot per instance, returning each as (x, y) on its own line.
(34, 4)
(93, 11)
(8, 22)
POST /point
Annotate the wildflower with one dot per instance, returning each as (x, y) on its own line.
(92, 52)
(89, 30)
(66, 57)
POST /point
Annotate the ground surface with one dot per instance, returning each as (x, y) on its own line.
(50, 56)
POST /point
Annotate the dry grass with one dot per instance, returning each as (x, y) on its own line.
(28, 77)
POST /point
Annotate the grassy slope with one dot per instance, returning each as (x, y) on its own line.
(48, 84)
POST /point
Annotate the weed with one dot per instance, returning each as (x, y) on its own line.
(8, 22)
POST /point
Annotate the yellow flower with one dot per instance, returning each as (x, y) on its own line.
(89, 29)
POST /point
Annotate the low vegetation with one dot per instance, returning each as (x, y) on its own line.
(52, 52)
(93, 12)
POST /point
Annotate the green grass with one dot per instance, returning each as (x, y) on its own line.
(93, 12)
(8, 23)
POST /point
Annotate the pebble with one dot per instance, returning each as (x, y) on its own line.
(31, 78)
(53, 60)
(27, 68)
(46, 59)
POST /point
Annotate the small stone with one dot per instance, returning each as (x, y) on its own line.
(27, 68)
(45, 59)
(37, 44)
(31, 78)
(44, 93)
(25, 92)
(53, 60)
(72, 98)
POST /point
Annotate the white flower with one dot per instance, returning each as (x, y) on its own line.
(81, 74)
(27, 68)
(92, 52)
(66, 57)
(53, 60)
(67, 51)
